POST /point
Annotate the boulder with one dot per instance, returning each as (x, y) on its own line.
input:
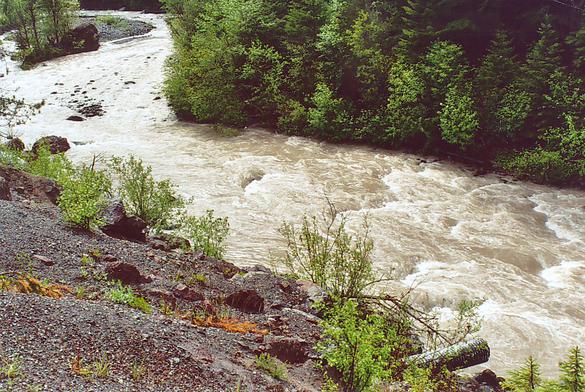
(15, 144)
(126, 273)
(290, 350)
(119, 225)
(489, 378)
(246, 300)
(30, 187)
(168, 242)
(4, 190)
(75, 118)
(185, 292)
(55, 144)
(83, 38)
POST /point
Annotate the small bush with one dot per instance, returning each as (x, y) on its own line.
(271, 366)
(539, 165)
(54, 166)
(84, 196)
(156, 202)
(125, 295)
(114, 21)
(324, 252)
(206, 233)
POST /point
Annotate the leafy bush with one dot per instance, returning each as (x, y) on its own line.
(121, 294)
(271, 366)
(114, 21)
(206, 233)
(325, 253)
(360, 346)
(539, 165)
(84, 195)
(54, 166)
(156, 202)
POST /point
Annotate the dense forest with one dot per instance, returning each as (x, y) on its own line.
(493, 81)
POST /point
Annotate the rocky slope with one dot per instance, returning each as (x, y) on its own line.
(184, 344)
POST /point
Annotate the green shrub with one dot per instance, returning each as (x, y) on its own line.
(271, 366)
(9, 157)
(114, 21)
(156, 202)
(325, 253)
(539, 165)
(54, 166)
(360, 346)
(84, 196)
(206, 233)
(573, 371)
(121, 294)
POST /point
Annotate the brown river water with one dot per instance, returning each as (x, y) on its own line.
(517, 245)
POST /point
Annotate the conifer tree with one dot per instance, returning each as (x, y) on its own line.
(525, 379)
(573, 371)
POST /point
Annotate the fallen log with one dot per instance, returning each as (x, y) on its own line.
(458, 356)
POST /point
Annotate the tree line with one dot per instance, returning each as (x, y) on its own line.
(497, 81)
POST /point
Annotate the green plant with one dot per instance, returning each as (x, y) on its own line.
(324, 252)
(10, 368)
(206, 233)
(80, 292)
(138, 371)
(166, 309)
(359, 345)
(125, 295)
(54, 166)
(156, 202)
(101, 366)
(271, 366)
(196, 279)
(84, 196)
(573, 371)
(113, 21)
(525, 379)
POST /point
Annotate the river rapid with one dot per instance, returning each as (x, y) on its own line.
(436, 227)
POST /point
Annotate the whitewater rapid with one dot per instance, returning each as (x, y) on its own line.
(436, 227)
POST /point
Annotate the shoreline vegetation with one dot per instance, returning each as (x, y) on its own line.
(499, 86)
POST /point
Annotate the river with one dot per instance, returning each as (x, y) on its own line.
(437, 227)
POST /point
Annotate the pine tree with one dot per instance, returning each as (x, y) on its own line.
(573, 371)
(525, 379)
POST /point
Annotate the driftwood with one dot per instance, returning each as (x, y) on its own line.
(459, 356)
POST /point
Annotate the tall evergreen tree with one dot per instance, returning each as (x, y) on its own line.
(573, 371)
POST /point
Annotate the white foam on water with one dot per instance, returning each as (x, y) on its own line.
(562, 276)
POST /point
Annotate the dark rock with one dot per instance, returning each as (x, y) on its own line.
(108, 258)
(130, 82)
(83, 38)
(488, 378)
(164, 295)
(45, 260)
(126, 273)
(75, 118)
(313, 291)
(260, 268)
(119, 225)
(15, 144)
(246, 300)
(31, 187)
(290, 350)
(185, 292)
(55, 144)
(227, 269)
(156, 243)
(4, 190)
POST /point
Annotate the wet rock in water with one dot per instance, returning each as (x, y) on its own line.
(246, 300)
(55, 144)
(4, 190)
(83, 38)
(75, 118)
(15, 144)
(93, 110)
(126, 273)
(185, 292)
(290, 350)
(119, 225)
(129, 82)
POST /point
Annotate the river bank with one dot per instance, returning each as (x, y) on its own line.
(434, 224)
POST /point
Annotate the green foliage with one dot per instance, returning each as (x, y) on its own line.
(525, 379)
(84, 196)
(409, 73)
(573, 371)
(121, 294)
(271, 366)
(54, 166)
(458, 118)
(360, 346)
(156, 202)
(323, 251)
(539, 165)
(206, 233)
(113, 21)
